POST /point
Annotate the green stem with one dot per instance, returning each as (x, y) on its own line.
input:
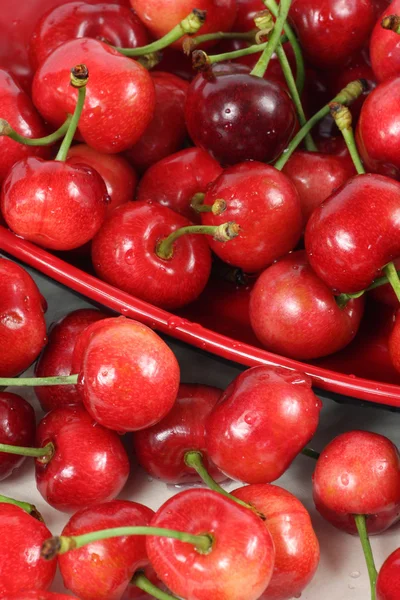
(29, 508)
(190, 43)
(79, 79)
(350, 93)
(7, 130)
(62, 544)
(141, 581)
(310, 453)
(45, 452)
(300, 70)
(220, 233)
(189, 25)
(197, 203)
(343, 120)
(393, 278)
(348, 136)
(262, 63)
(38, 381)
(369, 557)
(342, 299)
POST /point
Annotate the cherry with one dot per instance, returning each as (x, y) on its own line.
(167, 131)
(176, 62)
(274, 71)
(120, 96)
(294, 313)
(117, 25)
(385, 293)
(388, 583)
(161, 449)
(21, 566)
(223, 111)
(103, 569)
(126, 253)
(22, 323)
(36, 595)
(263, 420)
(174, 180)
(266, 205)
(330, 31)
(246, 11)
(17, 427)
(241, 557)
(394, 342)
(296, 545)
(16, 107)
(344, 485)
(56, 358)
(129, 377)
(384, 47)
(348, 253)
(85, 463)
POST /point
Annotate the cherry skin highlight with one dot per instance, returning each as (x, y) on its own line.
(89, 463)
(21, 565)
(22, 323)
(102, 570)
(263, 420)
(388, 583)
(161, 449)
(344, 485)
(241, 558)
(17, 427)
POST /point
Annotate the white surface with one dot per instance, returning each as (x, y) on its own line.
(342, 574)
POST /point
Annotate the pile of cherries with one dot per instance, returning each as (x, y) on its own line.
(161, 141)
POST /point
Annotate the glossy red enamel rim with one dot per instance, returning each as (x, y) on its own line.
(187, 331)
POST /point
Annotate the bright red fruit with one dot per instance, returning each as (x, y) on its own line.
(102, 570)
(394, 342)
(129, 376)
(88, 465)
(21, 566)
(265, 204)
(37, 595)
(241, 557)
(53, 204)
(388, 583)
(124, 253)
(296, 545)
(344, 484)
(22, 323)
(294, 313)
(385, 47)
(174, 180)
(263, 420)
(246, 11)
(56, 358)
(17, 427)
(161, 449)
(120, 97)
(117, 25)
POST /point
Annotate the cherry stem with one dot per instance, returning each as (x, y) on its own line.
(393, 278)
(7, 130)
(38, 381)
(46, 452)
(391, 22)
(189, 25)
(300, 70)
(29, 508)
(343, 120)
(347, 95)
(79, 79)
(342, 299)
(191, 43)
(141, 581)
(369, 557)
(220, 233)
(262, 63)
(310, 453)
(62, 544)
(197, 203)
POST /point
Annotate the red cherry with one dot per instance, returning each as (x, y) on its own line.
(21, 565)
(174, 180)
(120, 97)
(56, 359)
(17, 427)
(133, 592)
(241, 557)
(115, 24)
(345, 485)
(385, 293)
(246, 11)
(223, 111)
(17, 109)
(161, 17)
(88, 465)
(167, 131)
(394, 342)
(130, 376)
(102, 570)
(296, 545)
(161, 449)
(388, 583)
(124, 253)
(37, 595)
(274, 71)
(330, 31)
(348, 252)
(384, 47)
(22, 324)
(54, 204)
(294, 313)
(263, 420)
(266, 205)
(176, 62)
